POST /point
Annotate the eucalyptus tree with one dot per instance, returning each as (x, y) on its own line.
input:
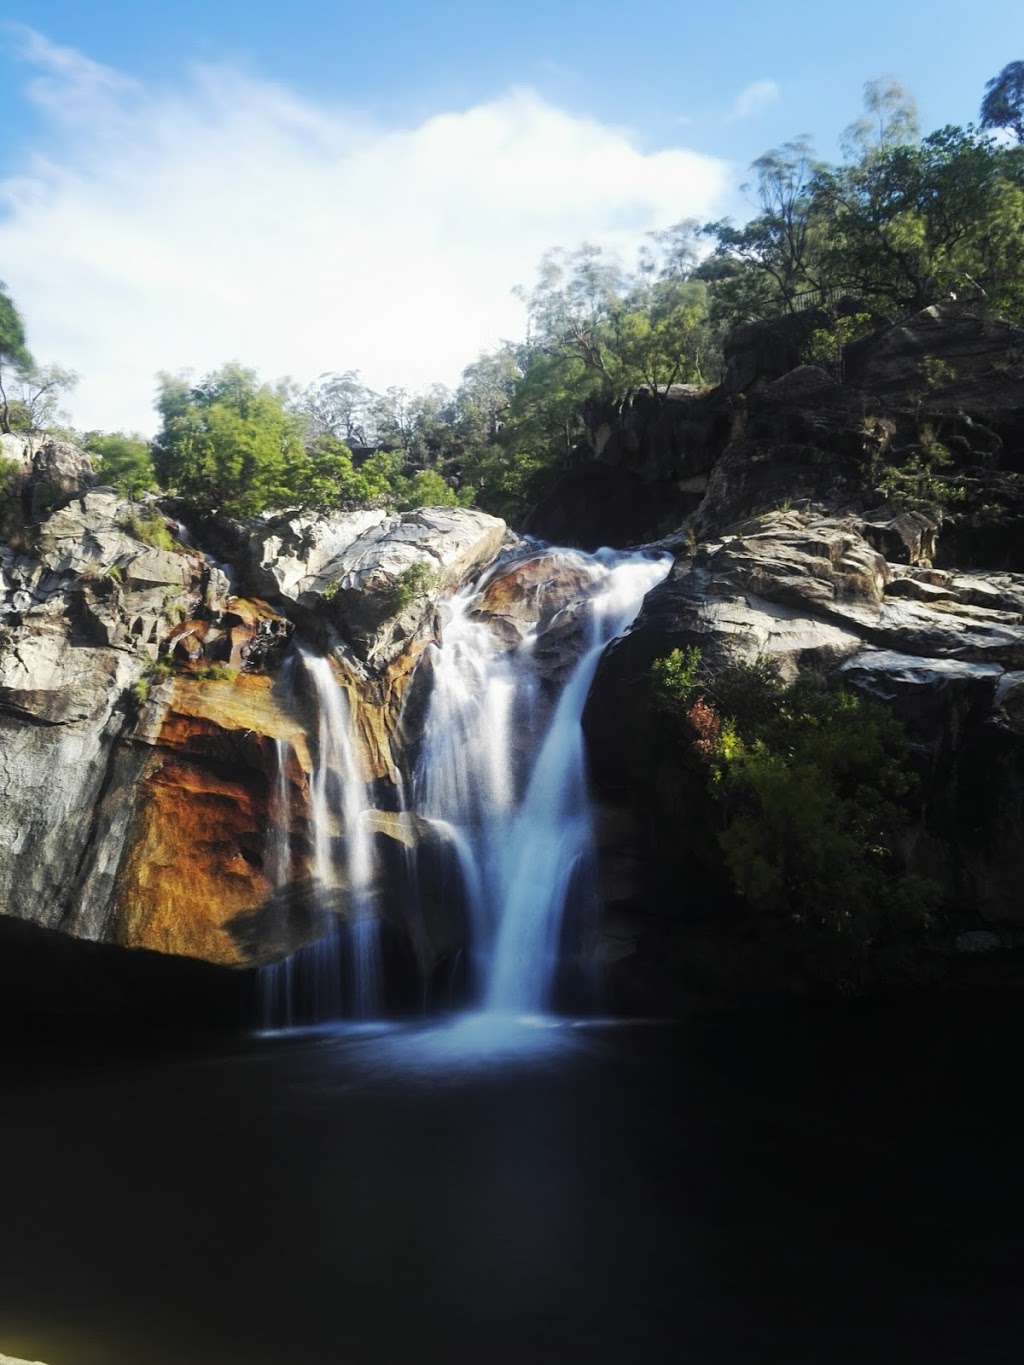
(913, 224)
(228, 442)
(14, 353)
(338, 406)
(889, 120)
(1003, 105)
(768, 263)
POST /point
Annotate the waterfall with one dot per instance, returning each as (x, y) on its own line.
(277, 981)
(339, 973)
(519, 815)
(500, 776)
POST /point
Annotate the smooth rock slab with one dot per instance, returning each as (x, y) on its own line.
(375, 577)
(888, 676)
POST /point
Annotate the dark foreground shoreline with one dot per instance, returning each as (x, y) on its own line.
(822, 1184)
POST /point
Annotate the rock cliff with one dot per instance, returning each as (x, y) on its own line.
(905, 586)
(152, 731)
(145, 722)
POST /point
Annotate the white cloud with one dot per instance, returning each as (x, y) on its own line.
(753, 99)
(234, 219)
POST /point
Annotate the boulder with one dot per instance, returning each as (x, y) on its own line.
(759, 352)
(288, 550)
(905, 538)
(526, 594)
(965, 344)
(374, 577)
(42, 678)
(48, 470)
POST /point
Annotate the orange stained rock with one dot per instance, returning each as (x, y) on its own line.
(375, 705)
(534, 587)
(196, 858)
(197, 849)
(239, 719)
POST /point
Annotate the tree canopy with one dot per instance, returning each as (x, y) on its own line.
(903, 223)
(125, 462)
(1003, 105)
(14, 353)
(227, 442)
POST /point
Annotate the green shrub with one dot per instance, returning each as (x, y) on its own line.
(125, 462)
(157, 672)
(427, 488)
(934, 372)
(150, 528)
(215, 673)
(415, 581)
(810, 784)
(918, 484)
(826, 345)
(675, 676)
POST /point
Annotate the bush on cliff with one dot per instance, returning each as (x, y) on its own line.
(10, 519)
(150, 527)
(125, 462)
(809, 783)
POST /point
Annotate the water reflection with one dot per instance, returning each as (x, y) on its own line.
(449, 1050)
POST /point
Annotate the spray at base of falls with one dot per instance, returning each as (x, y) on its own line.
(501, 777)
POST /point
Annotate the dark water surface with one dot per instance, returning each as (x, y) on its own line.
(820, 1186)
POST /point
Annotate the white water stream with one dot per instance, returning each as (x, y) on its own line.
(331, 976)
(501, 774)
(504, 769)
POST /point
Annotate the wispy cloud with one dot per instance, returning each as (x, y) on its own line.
(234, 218)
(752, 100)
(67, 82)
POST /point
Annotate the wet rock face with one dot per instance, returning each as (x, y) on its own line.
(195, 851)
(541, 598)
(531, 591)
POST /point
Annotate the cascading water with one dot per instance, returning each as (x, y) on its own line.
(338, 786)
(277, 982)
(339, 973)
(501, 776)
(519, 823)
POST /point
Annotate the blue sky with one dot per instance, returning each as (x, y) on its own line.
(318, 186)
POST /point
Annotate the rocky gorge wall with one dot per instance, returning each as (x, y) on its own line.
(148, 716)
(867, 530)
(145, 718)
